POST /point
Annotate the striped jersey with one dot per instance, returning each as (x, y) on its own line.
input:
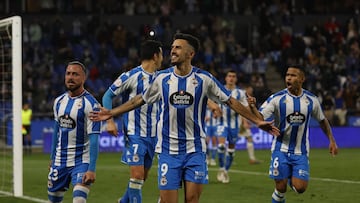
(292, 116)
(140, 121)
(71, 114)
(229, 117)
(211, 120)
(183, 102)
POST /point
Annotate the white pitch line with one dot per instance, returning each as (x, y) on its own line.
(311, 178)
(8, 194)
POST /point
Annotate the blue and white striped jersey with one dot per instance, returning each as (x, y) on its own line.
(211, 120)
(140, 121)
(71, 114)
(229, 117)
(292, 116)
(183, 102)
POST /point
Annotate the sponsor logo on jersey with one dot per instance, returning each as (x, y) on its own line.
(295, 118)
(66, 121)
(181, 99)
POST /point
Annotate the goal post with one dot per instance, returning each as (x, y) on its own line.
(17, 104)
(11, 96)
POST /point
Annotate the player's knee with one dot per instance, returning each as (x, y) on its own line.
(56, 197)
(298, 190)
(221, 148)
(80, 194)
(231, 152)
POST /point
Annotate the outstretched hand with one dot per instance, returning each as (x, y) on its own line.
(269, 127)
(102, 115)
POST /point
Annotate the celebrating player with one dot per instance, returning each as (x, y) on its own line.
(75, 146)
(292, 109)
(183, 92)
(139, 124)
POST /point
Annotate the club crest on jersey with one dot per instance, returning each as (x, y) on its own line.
(163, 180)
(181, 99)
(65, 121)
(295, 118)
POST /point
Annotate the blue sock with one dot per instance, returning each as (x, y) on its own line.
(213, 153)
(221, 155)
(125, 197)
(135, 186)
(278, 197)
(229, 158)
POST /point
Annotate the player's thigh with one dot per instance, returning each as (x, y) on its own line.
(58, 179)
(195, 168)
(301, 168)
(170, 171)
(169, 196)
(135, 151)
(221, 134)
(193, 191)
(232, 136)
(280, 167)
(78, 172)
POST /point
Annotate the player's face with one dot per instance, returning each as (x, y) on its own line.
(231, 78)
(74, 78)
(294, 79)
(181, 51)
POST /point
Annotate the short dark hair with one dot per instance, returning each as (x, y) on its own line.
(299, 67)
(78, 63)
(149, 48)
(192, 40)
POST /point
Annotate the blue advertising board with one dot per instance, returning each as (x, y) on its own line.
(346, 137)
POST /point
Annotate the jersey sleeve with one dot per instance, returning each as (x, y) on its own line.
(317, 112)
(267, 109)
(216, 91)
(121, 84)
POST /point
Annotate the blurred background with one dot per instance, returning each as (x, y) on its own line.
(256, 38)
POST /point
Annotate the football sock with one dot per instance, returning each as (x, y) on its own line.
(229, 158)
(221, 155)
(135, 186)
(80, 194)
(278, 197)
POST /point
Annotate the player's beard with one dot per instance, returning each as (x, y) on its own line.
(73, 88)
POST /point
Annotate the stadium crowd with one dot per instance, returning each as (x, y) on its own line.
(329, 50)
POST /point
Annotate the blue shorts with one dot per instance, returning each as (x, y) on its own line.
(59, 177)
(139, 151)
(174, 169)
(210, 131)
(231, 134)
(285, 165)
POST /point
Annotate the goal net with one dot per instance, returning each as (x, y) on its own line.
(11, 169)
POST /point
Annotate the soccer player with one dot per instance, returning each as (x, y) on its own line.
(139, 124)
(246, 132)
(183, 92)
(210, 129)
(75, 145)
(292, 109)
(228, 127)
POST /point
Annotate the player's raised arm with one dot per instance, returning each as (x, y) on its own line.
(243, 111)
(105, 114)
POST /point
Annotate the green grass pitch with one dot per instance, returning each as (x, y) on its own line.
(333, 180)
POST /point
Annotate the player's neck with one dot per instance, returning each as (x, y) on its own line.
(296, 91)
(76, 92)
(148, 66)
(183, 69)
(230, 86)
